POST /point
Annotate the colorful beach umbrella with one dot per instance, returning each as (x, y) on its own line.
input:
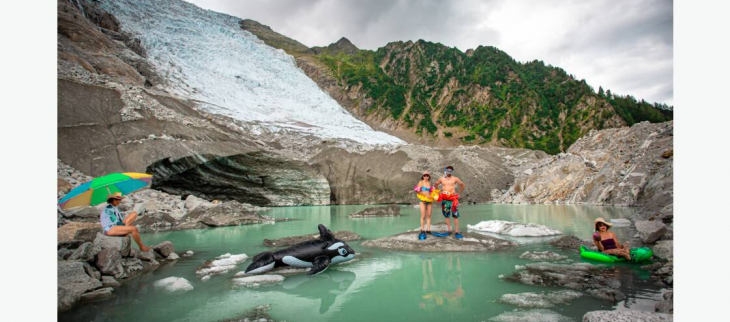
(96, 191)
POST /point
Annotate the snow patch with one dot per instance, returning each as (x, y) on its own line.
(514, 229)
(258, 280)
(220, 265)
(539, 315)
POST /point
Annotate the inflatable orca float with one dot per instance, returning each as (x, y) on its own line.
(317, 254)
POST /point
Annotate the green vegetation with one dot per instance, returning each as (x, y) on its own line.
(486, 93)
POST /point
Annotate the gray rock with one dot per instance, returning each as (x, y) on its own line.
(108, 281)
(230, 213)
(608, 294)
(97, 295)
(84, 214)
(132, 265)
(72, 283)
(343, 235)
(664, 249)
(173, 257)
(570, 242)
(87, 234)
(666, 306)
(148, 255)
(109, 262)
(650, 231)
(387, 211)
(152, 222)
(85, 252)
(92, 271)
(164, 248)
(626, 316)
(408, 241)
(192, 202)
(121, 244)
(542, 256)
(71, 244)
(64, 253)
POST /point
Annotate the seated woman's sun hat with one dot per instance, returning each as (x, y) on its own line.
(601, 220)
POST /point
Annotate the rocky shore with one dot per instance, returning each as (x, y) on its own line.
(408, 241)
(90, 271)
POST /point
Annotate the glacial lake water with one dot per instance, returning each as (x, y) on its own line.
(379, 286)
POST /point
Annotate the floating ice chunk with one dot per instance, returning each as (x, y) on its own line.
(174, 284)
(514, 229)
(621, 222)
(220, 265)
(542, 256)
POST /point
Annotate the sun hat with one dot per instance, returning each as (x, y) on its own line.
(601, 220)
(425, 173)
(117, 195)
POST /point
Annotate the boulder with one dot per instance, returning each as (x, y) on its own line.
(109, 262)
(152, 222)
(343, 235)
(70, 245)
(192, 202)
(387, 211)
(84, 214)
(230, 213)
(108, 281)
(92, 271)
(72, 283)
(258, 280)
(173, 257)
(88, 233)
(666, 306)
(147, 256)
(67, 232)
(85, 252)
(64, 253)
(571, 242)
(97, 295)
(626, 316)
(664, 249)
(164, 248)
(121, 244)
(540, 300)
(542, 256)
(650, 230)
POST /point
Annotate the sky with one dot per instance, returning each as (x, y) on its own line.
(622, 45)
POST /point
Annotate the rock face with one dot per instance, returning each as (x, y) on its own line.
(595, 279)
(626, 316)
(343, 235)
(650, 231)
(226, 214)
(622, 166)
(387, 211)
(408, 241)
(72, 283)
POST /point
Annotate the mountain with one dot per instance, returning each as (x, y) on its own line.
(430, 93)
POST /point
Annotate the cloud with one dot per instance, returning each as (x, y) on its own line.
(624, 46)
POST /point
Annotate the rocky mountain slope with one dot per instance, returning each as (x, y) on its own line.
(120, 110)
(429, 93)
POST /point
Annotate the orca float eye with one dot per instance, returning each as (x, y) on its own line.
(342, 251)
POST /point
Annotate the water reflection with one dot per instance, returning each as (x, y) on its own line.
(447, 295)
(325, 287)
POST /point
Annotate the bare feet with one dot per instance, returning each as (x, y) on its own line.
(144, 248)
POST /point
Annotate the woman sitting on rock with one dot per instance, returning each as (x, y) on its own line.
(115, 224)
(606, 241)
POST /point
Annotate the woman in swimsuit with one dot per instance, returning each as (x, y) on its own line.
(424, 187)
(606, 241)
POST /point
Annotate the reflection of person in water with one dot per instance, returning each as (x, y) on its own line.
(441, 297)
(326, 287)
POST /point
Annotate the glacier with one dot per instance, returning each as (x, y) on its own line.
(206, 57)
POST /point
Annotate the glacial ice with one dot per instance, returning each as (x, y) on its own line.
(205, 56)
(174, 284)
(514, 229)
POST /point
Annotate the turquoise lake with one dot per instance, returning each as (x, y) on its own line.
(378, 286)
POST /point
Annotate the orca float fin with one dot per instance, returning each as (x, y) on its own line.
(325, 234)
(320, 264)
(263, 262)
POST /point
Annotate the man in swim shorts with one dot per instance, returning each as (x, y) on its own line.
(450, 199)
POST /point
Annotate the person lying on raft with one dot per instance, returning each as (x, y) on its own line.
(606, 241)
(450, 199)
(115, 224)
(425, 188)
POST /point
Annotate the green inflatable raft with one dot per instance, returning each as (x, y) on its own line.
(637, 255)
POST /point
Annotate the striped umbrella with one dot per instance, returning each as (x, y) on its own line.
(96, 191)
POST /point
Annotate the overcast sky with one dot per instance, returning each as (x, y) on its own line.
(622, 45)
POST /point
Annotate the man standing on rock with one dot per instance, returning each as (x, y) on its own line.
(450, 199)
(115, 224)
